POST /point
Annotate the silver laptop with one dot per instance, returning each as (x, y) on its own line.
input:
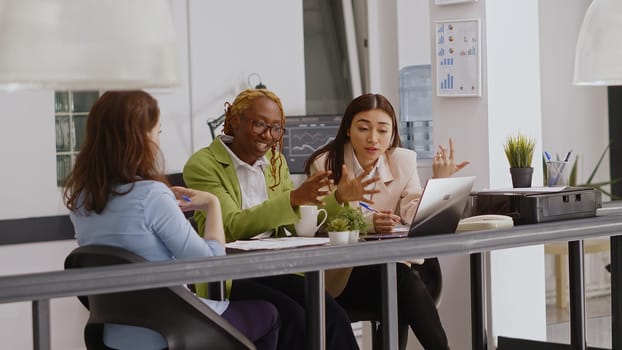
(440, 208)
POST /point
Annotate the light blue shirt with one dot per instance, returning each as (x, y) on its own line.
(148, 222)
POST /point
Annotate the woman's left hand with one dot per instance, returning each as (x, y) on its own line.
(190, 199)
(444, 164)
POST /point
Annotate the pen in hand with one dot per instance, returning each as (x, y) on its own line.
(395, 218)
(364, 205)
(186, 198)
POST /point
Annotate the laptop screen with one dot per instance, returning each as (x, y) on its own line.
(440, 209)
(441, 206)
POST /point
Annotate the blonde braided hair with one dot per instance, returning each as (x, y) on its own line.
(235, 110)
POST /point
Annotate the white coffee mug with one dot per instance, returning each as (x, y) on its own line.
(308, 225)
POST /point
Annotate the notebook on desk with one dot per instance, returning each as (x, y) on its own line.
(439, 211)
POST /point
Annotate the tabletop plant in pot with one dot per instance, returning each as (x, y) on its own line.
(519, 152)
(346, 225)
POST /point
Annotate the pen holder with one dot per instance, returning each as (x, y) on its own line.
(557, 173)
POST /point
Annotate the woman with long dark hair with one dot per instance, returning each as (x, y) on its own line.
(368, 142)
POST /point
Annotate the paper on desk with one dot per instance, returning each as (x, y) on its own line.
(277, 243)
(400, 228)
(524, 189)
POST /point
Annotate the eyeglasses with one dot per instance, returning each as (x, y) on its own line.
(260, 127)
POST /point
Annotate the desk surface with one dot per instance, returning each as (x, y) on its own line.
(157, 274)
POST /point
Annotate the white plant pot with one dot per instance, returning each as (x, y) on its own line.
(353, 237)
(339, 237)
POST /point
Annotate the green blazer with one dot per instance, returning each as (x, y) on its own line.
(211, 169)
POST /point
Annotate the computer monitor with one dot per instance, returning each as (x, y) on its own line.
(304, 135)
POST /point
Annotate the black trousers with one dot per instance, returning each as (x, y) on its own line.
(287, 293)
(414, 304)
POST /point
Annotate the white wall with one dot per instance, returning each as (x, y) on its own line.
(67, 315)
(227, 41)
(383, 49)
(176, 137)
(225, 45)
(574, 117)
(27, 148)
(510, 102)
(235, 38)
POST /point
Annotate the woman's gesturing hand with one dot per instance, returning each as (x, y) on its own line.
(312, 190)
(190, 199)
(354, 189)
(444, 164)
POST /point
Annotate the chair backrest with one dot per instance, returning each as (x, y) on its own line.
(215, 124)
(174, 312)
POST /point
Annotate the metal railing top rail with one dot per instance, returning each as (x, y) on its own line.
(47, 285)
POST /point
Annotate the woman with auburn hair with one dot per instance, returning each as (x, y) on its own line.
(368, 142)
(118, 196)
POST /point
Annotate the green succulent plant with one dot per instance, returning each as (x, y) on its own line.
(519, 150)
(337, 224)
(347, 219)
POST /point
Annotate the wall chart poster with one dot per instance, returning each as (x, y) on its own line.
(458, 71)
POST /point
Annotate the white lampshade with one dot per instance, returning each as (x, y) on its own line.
(598, 55)
(87, 44)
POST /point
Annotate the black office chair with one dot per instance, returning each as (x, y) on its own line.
(432, 277)
(184, 321)
(215, 124)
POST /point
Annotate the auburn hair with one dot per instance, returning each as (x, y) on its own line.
(117, 149)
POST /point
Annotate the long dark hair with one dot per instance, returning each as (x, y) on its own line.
(334, 148)
(117, 150)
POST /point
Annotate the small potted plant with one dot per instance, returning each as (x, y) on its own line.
(347, 220)
(338, 230)
(519, 152)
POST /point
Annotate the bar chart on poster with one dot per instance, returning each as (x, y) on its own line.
(458, 70)
(306, 134)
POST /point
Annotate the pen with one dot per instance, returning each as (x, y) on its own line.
(548, 156)
(364, 205)
(186, 198)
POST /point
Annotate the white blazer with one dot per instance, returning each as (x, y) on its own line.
(399, 185)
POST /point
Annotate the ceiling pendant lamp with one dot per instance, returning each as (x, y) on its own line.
(598, 55)
(87, 44)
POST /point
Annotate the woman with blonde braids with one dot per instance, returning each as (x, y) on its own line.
(245, 169)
